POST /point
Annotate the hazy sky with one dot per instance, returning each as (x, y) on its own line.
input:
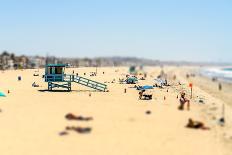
(198, 30)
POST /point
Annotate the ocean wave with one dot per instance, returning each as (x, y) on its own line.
(224, 74)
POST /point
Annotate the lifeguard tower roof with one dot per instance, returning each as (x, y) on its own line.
(56, 65)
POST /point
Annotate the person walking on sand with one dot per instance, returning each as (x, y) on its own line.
(141, 94)
(220, 86)
(183, 100)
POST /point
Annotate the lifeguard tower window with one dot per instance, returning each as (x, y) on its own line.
(58, 70)
(49, 70)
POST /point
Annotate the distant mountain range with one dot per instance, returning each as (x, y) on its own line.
(10, 60)
(128, 61)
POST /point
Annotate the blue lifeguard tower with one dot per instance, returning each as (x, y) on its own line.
(56, 78)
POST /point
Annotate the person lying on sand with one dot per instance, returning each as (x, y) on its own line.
(183, 100)
(79, 129)
(71, 116)
(63, 133)
(196, 125)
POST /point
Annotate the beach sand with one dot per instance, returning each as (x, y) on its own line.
(31, 118)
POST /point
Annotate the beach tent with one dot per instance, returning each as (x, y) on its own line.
(160, 82)
(131, 80)
(2, 94)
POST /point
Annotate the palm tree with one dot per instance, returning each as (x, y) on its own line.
(5, 53)
(12, 56)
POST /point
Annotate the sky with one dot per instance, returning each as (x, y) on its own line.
(192, 30)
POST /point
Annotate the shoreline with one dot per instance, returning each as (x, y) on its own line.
(217, 73)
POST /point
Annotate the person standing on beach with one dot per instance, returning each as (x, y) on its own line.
(184, 100)
(220, 86)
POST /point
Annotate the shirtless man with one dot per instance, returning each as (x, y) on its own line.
(196, 125)
(183, 100)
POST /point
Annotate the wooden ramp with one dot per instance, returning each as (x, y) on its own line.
(90, 83)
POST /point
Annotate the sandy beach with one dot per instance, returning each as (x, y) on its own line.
(32, 118)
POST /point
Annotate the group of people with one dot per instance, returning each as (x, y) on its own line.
(146, 95)
(191, 123)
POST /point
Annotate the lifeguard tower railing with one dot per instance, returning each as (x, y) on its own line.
(58, 78)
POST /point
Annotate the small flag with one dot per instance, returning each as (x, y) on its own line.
(190, 85)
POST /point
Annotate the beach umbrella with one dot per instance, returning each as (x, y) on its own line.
(145, 87)
(2, 94)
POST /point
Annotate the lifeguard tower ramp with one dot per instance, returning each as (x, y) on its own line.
(56, 78)
(90, 83)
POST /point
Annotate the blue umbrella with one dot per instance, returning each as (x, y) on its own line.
(145, 87)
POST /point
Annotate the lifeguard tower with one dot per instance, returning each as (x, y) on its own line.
(56, 78)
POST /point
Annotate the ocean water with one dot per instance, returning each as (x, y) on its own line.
(223, 73)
